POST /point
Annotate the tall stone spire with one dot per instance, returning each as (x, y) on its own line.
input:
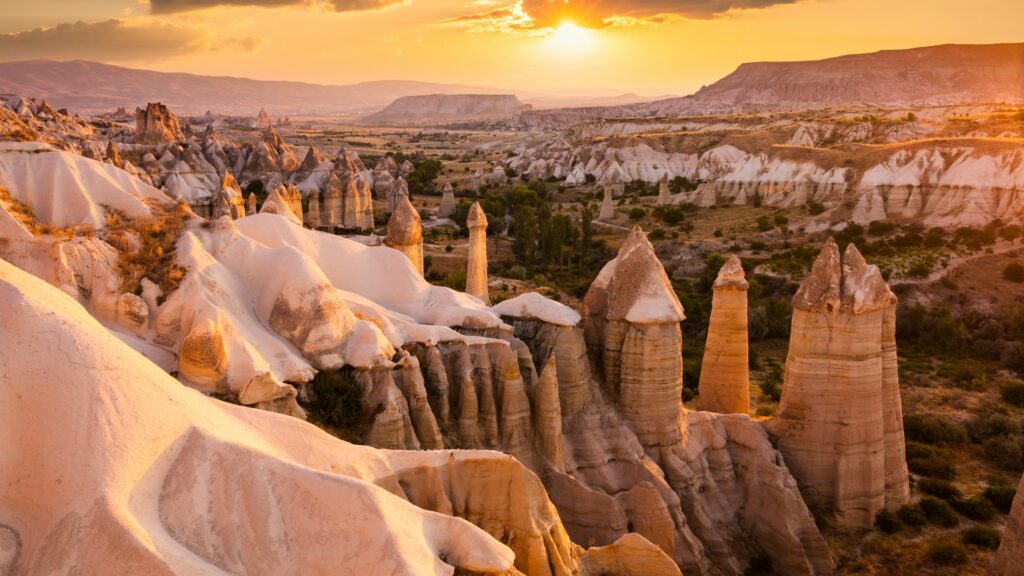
(840, 422)
(447, 207)
(725, 373)
(313, 209)
(251, 204)
(405, 233)
(332, 200)
(476, 273)
(1009, 557)
(664, 194)
(607, 208)
(632, 318)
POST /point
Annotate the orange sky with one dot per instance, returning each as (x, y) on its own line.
(651, 47)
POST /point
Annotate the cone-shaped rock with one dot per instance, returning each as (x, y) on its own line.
(447, 207)
(156, 125)
(1009, 558)
(251, 204)
(228, 201)
(476, 273)
(840, 425)
(277, 204)
(405, 233)
(725, 373)
(632, 320)
(263, 119)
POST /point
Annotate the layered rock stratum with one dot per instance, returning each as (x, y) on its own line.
(1010, 556)
(725, 372)
(840, 422)
(436, 108)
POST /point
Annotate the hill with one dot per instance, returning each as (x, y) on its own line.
(448, 107)
(93, 87)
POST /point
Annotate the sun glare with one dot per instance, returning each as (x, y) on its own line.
(569, 37)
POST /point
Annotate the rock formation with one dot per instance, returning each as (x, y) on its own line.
(263, 120)
(447, 207)
(313, 211)
(293, 197)
(438, 108)
(332, 201)
(476, 271)
(475, 512)
(250, 207)
(840, 423)
(725, 372)
(498, 176)
(401, 188)
(1009, 558)
(405, 233)
(277, 203)
(607, 207)
(113, 156)
(664, 194)
(477, 182)
(228, 200)
(156, 125)
(632, 320)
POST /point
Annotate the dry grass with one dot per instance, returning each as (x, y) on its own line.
(154, 258)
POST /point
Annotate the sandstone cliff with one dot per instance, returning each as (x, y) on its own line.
(1010, 556)
(156, 125)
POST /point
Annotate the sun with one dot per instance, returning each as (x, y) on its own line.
(570, 38)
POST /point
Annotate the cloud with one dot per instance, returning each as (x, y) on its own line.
(173, 6)
(540, 15)
(115, 40)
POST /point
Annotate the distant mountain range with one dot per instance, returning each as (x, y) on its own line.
(946, 74)
(92, 87)
(437, 108)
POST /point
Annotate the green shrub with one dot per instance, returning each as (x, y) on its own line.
(337, 402)
(947, 552)
(888, 522)
(771, 386)
(989, 426)
(932, 461)
(1001, 496)
(1013, 392)
(637, 213)
(939, 488)
(982, 537)
(656, 234)
(932, 429)
(764, 223)
(977, 508)
(912, 515)
(815, 208)
(1006, 451)
(939, 512)
(1014, 272)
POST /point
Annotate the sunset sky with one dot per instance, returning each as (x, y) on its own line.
(569, 47)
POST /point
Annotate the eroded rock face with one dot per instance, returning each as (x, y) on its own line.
(156, 125)
(607, 207)
(1010, 556)
(405, 233)
(476, 274)
(725, 373)
(840, 420)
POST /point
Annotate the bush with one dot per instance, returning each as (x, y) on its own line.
(932, 429)
(337, 402)
(656, 234)
(637, 213)
(939, 488)
(982, 537)
(939, 512)
(930, 461)
(1013, 392)
(1014, 272)
(1006, 451)
(888, 522)
(990, 426)
(912, 515)
(947, 552)
(976, 508)
(771, 386)
(764, 223)
(1001, 496)
(815, 208)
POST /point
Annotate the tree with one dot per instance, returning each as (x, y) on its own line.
(1014, 272)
